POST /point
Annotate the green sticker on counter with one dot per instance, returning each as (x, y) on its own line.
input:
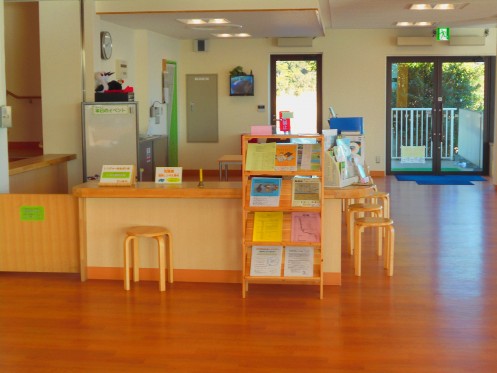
(32, 213)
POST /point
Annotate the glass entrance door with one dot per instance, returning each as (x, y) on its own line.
(462, 105)
(436, 115)
(411, 116)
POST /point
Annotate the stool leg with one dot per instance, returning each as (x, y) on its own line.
(379, 235)
(126, 262)
(162, 263)
(350, 230)
(169, 253)
(357, 249)
(136, 260)
(391, 249)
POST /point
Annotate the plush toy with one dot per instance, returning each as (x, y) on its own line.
(102, 79)
(103, 84)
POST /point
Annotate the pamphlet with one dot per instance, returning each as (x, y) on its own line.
(265, 191)
(168, 175)
(268, 226)
(286, 157)
(311, 157)
(260, 157)
(306, 191)
(306, 227)
(266, 261)
(299, 261)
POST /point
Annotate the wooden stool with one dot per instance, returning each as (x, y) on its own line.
(354, 208)
(385, 201)
(380, 223)
(158, 234)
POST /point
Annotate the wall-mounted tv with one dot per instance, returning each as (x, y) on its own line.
(241, 85)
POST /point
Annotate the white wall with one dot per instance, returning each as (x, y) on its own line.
(144, 51)
(354, 82)
(61, 81)
(4, 154)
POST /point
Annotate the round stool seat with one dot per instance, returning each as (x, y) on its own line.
(373, 221)
(365, 207)
(147, 231)
(356, 208)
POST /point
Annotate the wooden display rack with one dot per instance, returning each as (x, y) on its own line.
(284, 206)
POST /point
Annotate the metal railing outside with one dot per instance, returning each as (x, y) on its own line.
(414, 127)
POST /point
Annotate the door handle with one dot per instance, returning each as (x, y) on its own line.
(192, 106)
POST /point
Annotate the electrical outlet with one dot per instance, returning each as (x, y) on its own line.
(378, 159)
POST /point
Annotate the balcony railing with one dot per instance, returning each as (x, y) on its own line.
(414, 127)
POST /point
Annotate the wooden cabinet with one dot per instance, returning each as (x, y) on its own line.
(289, 253)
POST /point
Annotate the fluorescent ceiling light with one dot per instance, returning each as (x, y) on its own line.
(420, 7)
(422, 24)
(203, 21)
(424, 6)
(218, 20)
(444, 7)
(414, 24)
(240, 35)
(192, 21)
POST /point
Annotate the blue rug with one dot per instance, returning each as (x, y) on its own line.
(441, 180)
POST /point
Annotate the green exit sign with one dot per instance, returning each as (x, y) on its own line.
(443, 33)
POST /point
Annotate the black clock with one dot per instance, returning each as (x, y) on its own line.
(105, 45)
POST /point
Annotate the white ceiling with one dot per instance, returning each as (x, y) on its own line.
(288, 21)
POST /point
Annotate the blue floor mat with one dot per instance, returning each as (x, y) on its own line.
(441, 180)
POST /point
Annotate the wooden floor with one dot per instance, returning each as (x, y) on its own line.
(438, 313)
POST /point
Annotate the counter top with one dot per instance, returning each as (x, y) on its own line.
(219, 189)
(41, 161)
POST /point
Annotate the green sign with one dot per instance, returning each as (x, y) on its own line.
(111, 109)
(116, 175)
(32, 213)
(443, 33)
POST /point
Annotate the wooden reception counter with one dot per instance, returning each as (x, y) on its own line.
(206, 224)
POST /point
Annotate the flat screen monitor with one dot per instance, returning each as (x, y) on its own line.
(241, 85)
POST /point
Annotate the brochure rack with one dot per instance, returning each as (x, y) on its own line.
(281, 233)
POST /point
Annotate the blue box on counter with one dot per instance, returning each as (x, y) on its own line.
(347, 124)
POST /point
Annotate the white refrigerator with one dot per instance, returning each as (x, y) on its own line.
(110, 136)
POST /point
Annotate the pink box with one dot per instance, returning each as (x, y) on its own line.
(261, 130)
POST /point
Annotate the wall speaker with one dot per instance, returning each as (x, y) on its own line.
(415, 41)
(200, 45)
(467, 40)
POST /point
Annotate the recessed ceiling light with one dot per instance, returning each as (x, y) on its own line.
(223, 35)
(422, 24)
(226, 35)
(420, 7)
(424, 6)
(218, 20)
(414, 24)
(203, 21)
(444, 7)
(192, 21)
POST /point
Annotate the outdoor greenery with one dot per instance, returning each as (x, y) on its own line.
(295, 77)
(462, 85)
